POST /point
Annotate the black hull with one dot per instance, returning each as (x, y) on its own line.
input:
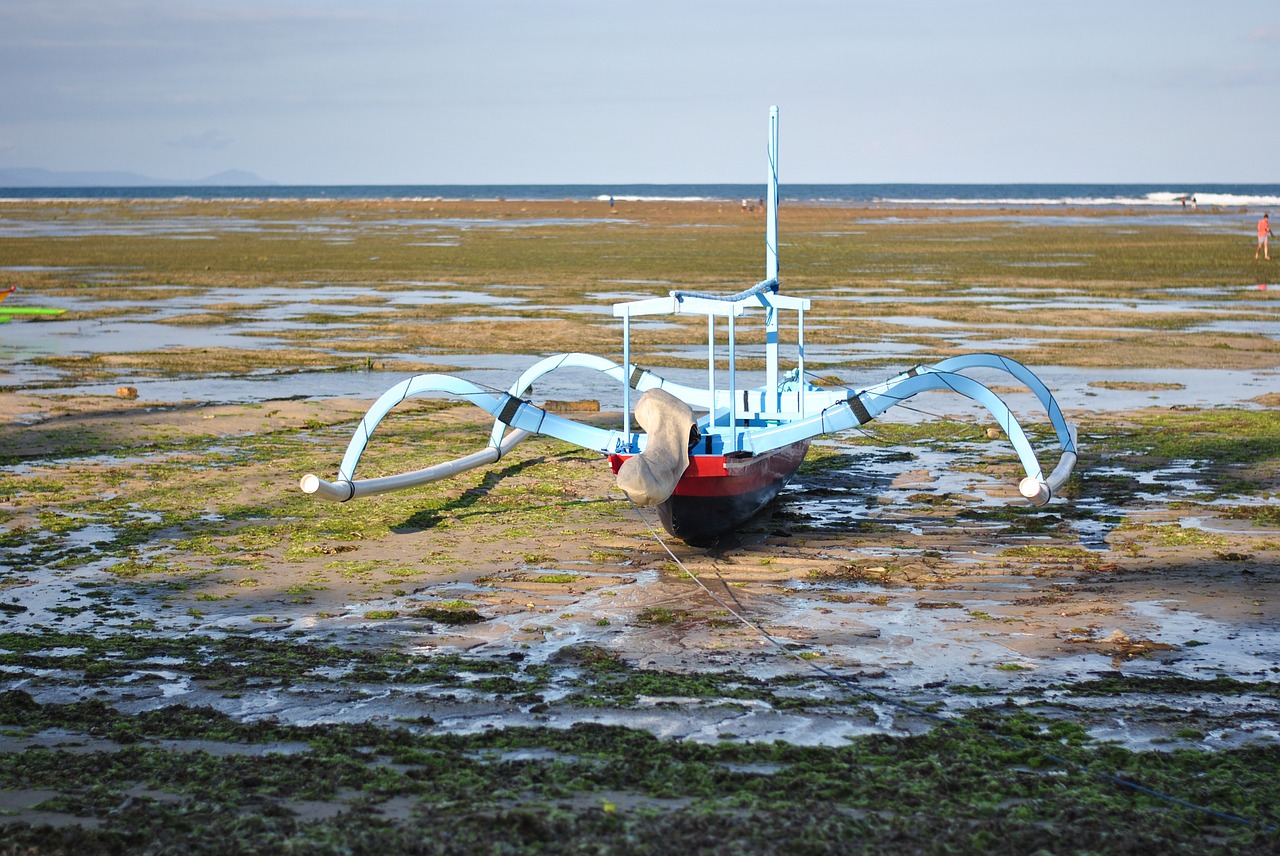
(700, 520)
(704, 509)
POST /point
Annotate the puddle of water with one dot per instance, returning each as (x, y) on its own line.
(881, 296)
(187, 227)
(1064, 299)
(456, 297)
(68, 338)
(87, 536)
(1205, 223)
(1237, 649)
(1270, 329)
(1227, 526)
(1077, 388)
(247, 389)
(270, 304)
(921, 321)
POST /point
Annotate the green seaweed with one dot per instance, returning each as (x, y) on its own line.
(989, 784)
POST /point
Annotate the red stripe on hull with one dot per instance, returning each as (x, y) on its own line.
(718, 493)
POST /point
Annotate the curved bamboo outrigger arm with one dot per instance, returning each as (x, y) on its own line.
(507, 409)
(1038, 491)
(641, 380)
(1036, 488)
(1009, 366)
(860, 408)
(1066, 433)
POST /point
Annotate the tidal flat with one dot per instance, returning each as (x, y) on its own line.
(195, 656)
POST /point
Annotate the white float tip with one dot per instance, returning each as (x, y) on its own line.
(316, 486)
(1034, 491)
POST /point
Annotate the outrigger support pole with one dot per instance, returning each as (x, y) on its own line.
(520, 415)
(344, 489)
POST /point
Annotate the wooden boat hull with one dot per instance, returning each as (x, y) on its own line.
(717, 493)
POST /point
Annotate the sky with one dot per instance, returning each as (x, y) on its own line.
(660, 91)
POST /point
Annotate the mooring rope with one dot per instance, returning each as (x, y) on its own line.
(852, 685)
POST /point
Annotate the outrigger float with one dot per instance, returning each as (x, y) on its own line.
(708, 458)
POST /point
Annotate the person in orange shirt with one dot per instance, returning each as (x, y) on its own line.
(1264, 232)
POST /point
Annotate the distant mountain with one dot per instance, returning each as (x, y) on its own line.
(51, 178)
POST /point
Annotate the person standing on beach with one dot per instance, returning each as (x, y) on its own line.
(1264, 232)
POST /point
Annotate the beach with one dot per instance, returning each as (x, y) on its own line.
(517, 654)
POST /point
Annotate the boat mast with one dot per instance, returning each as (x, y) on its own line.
(771, 404)
(771, 205)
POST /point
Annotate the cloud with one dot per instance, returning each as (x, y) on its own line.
(209, 140)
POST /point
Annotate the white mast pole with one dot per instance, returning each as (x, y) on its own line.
(771, 404)
(771, 205)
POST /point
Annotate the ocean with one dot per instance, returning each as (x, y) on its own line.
(1245, 196)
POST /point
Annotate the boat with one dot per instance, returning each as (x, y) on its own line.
(7, 313)
(708, 457)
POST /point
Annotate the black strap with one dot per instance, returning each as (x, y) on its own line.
(509, 409)
(859, 409)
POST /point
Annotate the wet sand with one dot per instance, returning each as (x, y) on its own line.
(902, 561)
(881, 566)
